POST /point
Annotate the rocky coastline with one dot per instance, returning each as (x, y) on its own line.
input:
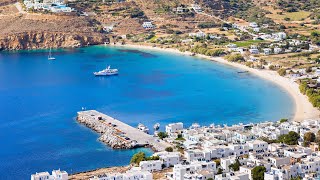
(44, 40)
(109, 135)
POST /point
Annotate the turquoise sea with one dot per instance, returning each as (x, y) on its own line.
(39, 100)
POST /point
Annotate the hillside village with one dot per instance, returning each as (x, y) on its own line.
(281, 150)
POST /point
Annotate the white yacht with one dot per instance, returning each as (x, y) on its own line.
(50, 57)
(106, 72)
(143, 128)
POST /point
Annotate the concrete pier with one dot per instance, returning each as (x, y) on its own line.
(117, 134)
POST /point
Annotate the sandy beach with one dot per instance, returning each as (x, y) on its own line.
(303, 108)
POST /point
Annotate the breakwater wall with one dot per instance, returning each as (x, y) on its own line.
(117, 134)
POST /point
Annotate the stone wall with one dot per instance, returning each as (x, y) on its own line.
(109, 134)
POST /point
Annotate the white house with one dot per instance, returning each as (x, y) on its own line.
(56, 175)
(242, 137)
(254, 51)
(148, 25)
(232, 176)
(196, 8)
(267, 51)
(239, 149)
(258, 146)
(40, 176)
(246, 170)
(197, 155)
(151, 166)
(219, 151)
(198, 34)
(277, 50)
(169, 158)
(256, 29)
(180, 170)
(279, 161)
(253, 25)
(174, 128)
(129, 175)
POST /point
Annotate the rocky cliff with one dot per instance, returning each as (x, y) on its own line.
(39, 40)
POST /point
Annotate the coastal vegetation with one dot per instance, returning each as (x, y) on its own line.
(162, 135)
(312, 93)
(282, 72)
(141, 156)
(205, 51)
(283, 120)
(235, 58)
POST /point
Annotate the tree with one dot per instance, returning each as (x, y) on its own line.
(309, 137)
(169, 149)
(291, 138)
(258, 173)
(162, 135)
(220, 171)
(272, 67)
(141, 156)
(235, 166)
(283, 120)
(282, 72)
(235, 57)
(137, 158)
(151, 158)
(218, 162)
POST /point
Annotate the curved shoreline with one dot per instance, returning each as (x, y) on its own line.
(303, 108)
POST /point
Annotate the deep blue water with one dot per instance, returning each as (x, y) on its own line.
(39, 100)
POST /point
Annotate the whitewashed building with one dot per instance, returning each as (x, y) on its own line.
(174, 128)
(169, 158)
(56, 175)
(258, 146)
(148, 25)
(179, 170)
(129, 175)
(151, 166)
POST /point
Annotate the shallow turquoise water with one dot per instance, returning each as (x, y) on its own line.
(40, 98)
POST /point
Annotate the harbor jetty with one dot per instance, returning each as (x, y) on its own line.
(117, 134)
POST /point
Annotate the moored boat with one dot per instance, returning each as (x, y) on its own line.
(107, 72)
(50, 57)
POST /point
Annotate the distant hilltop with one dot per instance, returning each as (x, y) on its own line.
(76, 23)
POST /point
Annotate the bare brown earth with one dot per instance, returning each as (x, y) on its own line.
(88, 174)
(35, 30)
(159, 175)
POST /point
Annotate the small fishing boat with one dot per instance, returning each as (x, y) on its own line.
(50, 57)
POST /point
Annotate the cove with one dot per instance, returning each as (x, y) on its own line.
(39, 100)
